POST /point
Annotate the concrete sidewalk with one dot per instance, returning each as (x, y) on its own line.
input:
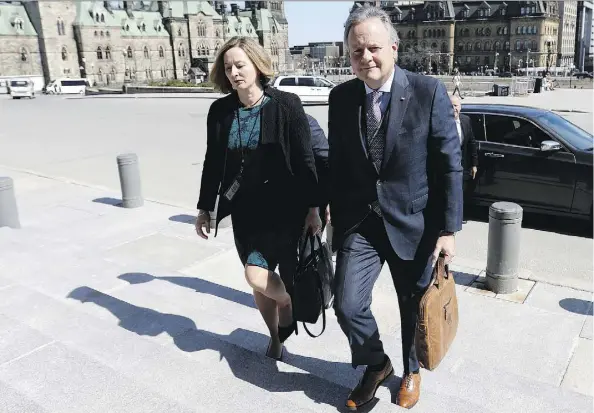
(105, 309)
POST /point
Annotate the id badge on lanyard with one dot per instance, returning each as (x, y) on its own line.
(230, 193)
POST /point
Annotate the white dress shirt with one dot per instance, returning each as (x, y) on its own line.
(385, 89)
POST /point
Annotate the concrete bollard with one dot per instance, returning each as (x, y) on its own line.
(9, 216)
(505, 225)
(130, 180)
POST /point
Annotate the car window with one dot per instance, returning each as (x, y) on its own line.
(321, 82)
(306, 81)
(478, 128)
(511, 130)
(288, 81)
(570, 132)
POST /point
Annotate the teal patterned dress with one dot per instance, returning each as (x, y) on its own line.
(260, 240)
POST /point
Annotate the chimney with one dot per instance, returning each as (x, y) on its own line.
(234, 9)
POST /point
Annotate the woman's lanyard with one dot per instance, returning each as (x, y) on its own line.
(251, 135)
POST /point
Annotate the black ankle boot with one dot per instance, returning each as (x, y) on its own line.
(285, 332)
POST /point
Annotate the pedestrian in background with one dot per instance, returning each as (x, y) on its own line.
(259, 162)
(469, 148)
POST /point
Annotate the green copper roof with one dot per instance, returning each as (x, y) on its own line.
(192, 7)
(12, 18)
(141, 24)
(265, 19)
(240, 26)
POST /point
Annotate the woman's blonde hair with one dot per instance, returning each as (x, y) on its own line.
(256, 53)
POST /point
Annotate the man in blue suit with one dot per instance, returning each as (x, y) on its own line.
(395, 194)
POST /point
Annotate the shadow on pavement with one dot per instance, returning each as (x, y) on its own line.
(560, 225)
(196, 284)
(183, 218)
(244, 364)
(576, 305)
(109, 201)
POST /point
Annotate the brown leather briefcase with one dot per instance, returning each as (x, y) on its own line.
(437, 321)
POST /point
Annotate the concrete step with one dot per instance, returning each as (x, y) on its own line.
(208, 308)
(86, 361)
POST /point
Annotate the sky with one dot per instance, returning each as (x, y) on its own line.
(314, 21)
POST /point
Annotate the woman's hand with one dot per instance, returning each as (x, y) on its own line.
(313, 223)
(203, 220)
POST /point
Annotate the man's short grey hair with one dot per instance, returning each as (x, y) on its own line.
(361, 13)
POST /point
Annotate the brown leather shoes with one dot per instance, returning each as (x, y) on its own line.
(365, 390)
(410, 390)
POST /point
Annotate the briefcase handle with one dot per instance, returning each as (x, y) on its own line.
(441, 271)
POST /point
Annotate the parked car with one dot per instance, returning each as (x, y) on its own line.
(67, 86)
(21, 88)
(583, 75)
(532, 157)
(310, 89)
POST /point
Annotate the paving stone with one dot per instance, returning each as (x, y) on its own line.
(165, 251)
(579, 375)
(62, 379)
(13, 401)
(560, 299)
(18, 340)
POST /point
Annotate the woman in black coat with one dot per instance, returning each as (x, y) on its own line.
(259, 161)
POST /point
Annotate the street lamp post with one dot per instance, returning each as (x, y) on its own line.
(495, 62)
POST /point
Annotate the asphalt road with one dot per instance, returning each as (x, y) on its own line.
(79, 139)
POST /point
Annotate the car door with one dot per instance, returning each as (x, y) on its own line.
(514, 168)
(323, 87)
(307, 89)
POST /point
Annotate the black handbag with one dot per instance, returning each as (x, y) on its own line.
(312, 286)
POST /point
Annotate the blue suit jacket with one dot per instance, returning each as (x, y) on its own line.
(419, 185)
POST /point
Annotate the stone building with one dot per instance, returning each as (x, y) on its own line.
(19, 48)
(475, 36)
(567, 27)
(112, 42)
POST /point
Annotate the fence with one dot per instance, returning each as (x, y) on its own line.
(522, 86)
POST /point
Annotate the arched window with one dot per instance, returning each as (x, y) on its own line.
(129, 52)
(478, 46)
(460, 46)
(444, 47)
(201, 27)
(497, 46)
(102, 18)
(181, 52)
(534, 47)
(113, 74)
(146, 52)
(64, 54)
(24, 55)
(108, 53)
(99, 53)
(161, 52)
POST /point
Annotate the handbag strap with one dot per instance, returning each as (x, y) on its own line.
(323, 313)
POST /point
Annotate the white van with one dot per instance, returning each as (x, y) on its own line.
(310, 89)
(21, 88)
(67, 86)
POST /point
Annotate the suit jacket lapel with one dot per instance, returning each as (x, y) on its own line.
(399, 97)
